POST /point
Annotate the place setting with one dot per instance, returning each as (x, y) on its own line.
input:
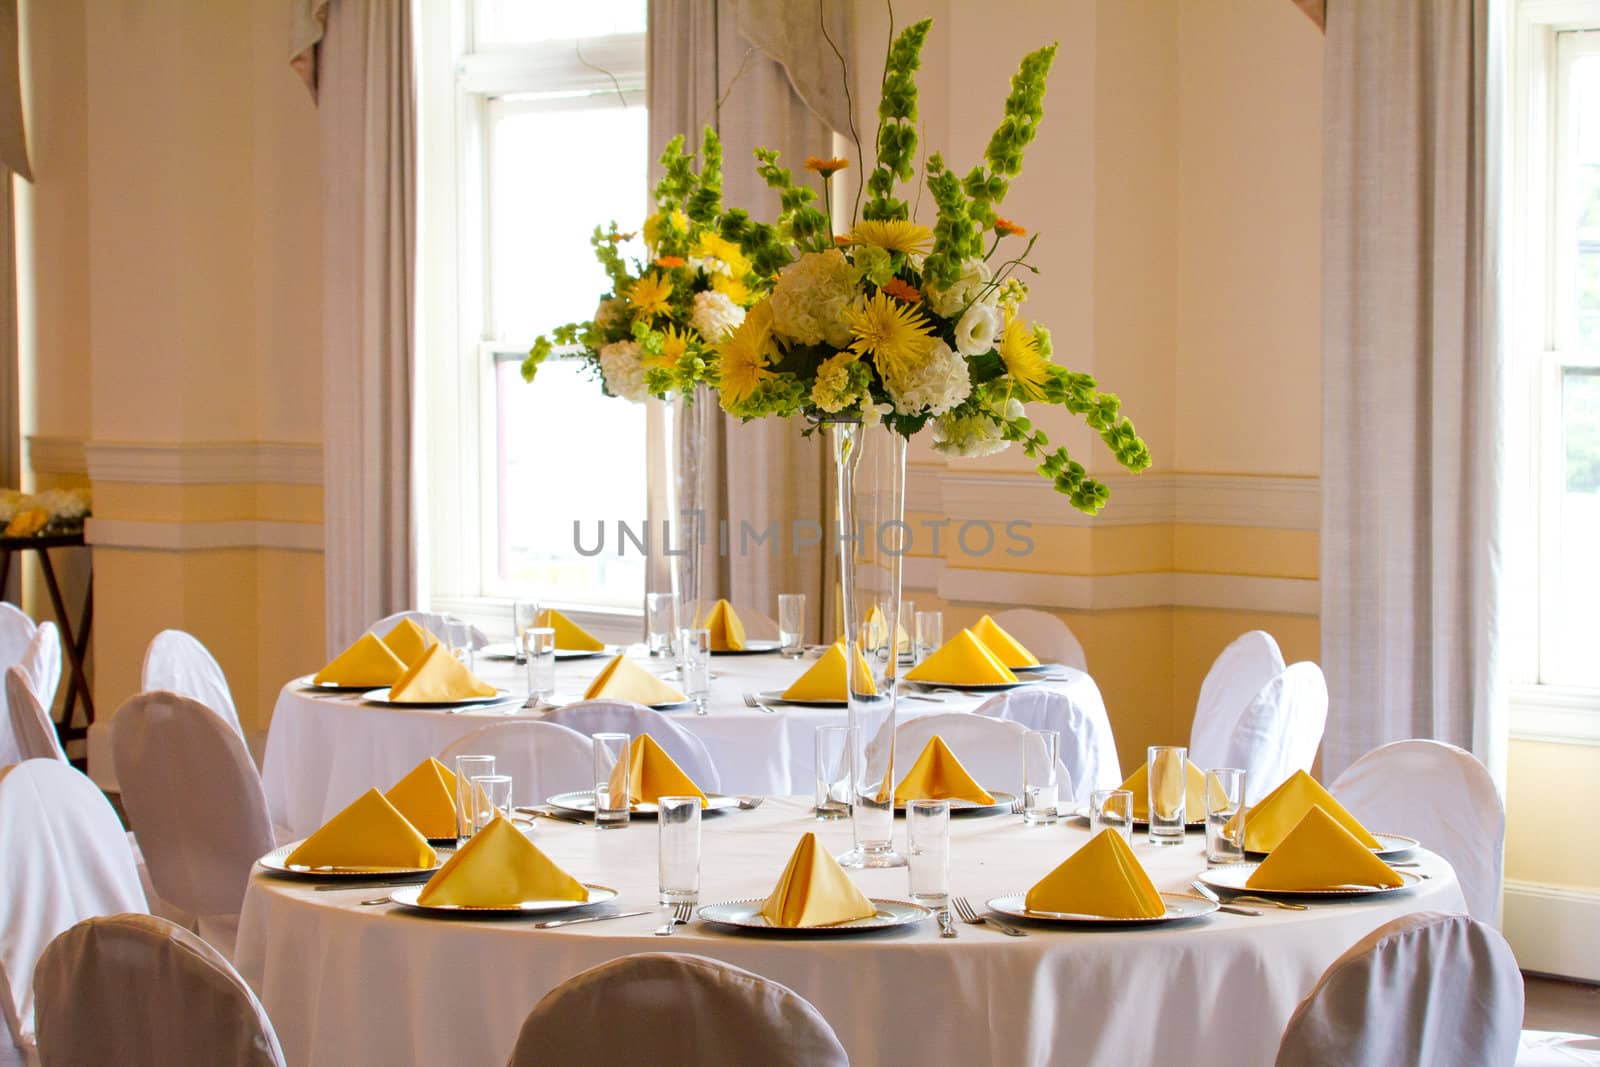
(638, 773)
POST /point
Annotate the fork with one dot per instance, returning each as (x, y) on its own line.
(752, 701)
(1017, 806)
(681, 914)
(1206, 891)
(967, 914)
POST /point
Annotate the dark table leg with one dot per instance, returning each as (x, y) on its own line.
(76, 645)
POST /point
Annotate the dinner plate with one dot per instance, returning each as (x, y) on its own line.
(309, 686)
(775, 696)
(582, 653)
(751, 648)
(582, 801)
(1002, 802)
(1232, 878)
(598, 894)
(1037, 668)
(1180, 906)
(983, 687)
(746, 915)
(1391, 845)
(274, 862)
(381, 696)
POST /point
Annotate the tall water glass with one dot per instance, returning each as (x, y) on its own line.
(539, 652)
(928, 852)
(458, 638)
(661, 622)
(791, 624)
(1167, 779)
(1225, 815)
(679, 849)
(833, 772)
(1040, 786)
(930, 634)
(468, 768)
(491, 797)
(697, 668)
(1111, 809)
(611, 805)
(524, 617)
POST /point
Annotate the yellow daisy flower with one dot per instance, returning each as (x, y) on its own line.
(897, 337)
(896, 235)
(649, 295)
(1019, 351)
(731, 287)
(674, 344)
(743, 356)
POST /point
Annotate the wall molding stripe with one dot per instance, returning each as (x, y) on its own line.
(199, 536)
(1114, 592)
(1553, 930)
(56, 455)
(204, 463)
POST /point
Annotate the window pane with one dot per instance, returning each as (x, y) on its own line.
(1585, 112)
(503, 22)
(1577, 626)
(568, 454)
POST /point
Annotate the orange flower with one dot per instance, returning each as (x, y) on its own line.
(826, 167)
(901, 290)
(617, 238)
(843, 240)
(669, 261)
(1008, 227)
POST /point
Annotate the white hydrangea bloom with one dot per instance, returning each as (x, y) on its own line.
(811, 297)
(974, 276)
(623, 371)
(715, 315)
(939, 384)
(612, 312)
(968, 436)
(977, 330)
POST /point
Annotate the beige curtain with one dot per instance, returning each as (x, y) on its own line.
(361, 70)
(1412, 423)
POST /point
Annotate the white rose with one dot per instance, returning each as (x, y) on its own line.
(976, 331)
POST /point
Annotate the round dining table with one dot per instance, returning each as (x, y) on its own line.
(347, 981)
(326, 749)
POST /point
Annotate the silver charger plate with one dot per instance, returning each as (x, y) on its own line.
(751, 648)
(306, 683)
(1232, 878)
(1002, 802)
(981, 687)
(1180, 906)
(582, 653)
(582, 802)
(274, 861)
(598, 894)
(746, 915)
(1036, 668)
(1391, 846)
(775, 696)
(381, 696)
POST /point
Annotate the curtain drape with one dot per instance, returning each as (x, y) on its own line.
(361, 71)
(704, 69)
(1412, 421)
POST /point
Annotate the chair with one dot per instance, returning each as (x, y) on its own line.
(1442, 796)
(194, 797)
(16, 630)
(33, 732)
(590, 717)
(989, 748)
(1045, 635)
(178, 663)
(1088, 749)
(1427, 989)
(156, 995)
(1238, 674)
(63, 858)
(42, 661)
(431, 621)
(1550, 1048)
(28, 731)
(1279, 731)
(672, 1010)
(542, 758)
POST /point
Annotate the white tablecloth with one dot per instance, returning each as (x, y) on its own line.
(323, 751)
(348, 985)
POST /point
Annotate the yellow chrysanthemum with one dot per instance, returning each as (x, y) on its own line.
(1019, 351)
(744, 354)
(715, 246)
(897, 337)
(649, 295)
(896, 235)
(655, 223)
(674, 343)
(731, 287)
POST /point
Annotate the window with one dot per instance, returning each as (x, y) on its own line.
(533, 131)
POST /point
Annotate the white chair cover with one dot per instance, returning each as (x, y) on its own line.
(16, 630)
(431, 621)
(675, 1010)
(178, 663)
(1088, 749)
(1279, 732)
(1442, 796)
(63, 858)
(1426, 990)
(542, 758)
(1237, 675)
(1045, 635)
(590, 717)
(1551, 1048)
(139, 991)
(194, 797)
(990, 749)
(42, 662)
(34, 734)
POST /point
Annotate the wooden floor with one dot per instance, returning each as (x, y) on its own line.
(1556, 1005)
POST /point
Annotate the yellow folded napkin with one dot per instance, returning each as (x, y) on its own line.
(500, 868)
(875, 630)
(570, 637)
(652, 774)
(427, 798)
(1102, 878)
(1194, 793)
(727, 632)
(368, 833)
(963, 660)
(1320, 853)
(408, 641)
(368, 662)
(623, 679)
(938, 775)
(436, 678)
(1008, 649)
(814, 891)
(1270, 820)
(827, 679)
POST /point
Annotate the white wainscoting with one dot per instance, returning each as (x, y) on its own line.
(1553, 930)
(205, 463)
(200, 536)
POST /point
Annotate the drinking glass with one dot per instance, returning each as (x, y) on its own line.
(1167, 771)
(524, 616)
(928, 851)
(1111, 809)
(611, 806)
(1225, 815)
(468, 768)
(697, 667)
(791, 624)
(833, 772)
(930, 634)
(491, 797)
(458, 638)
(661, 622)
(1040, 786)
(679, 840)
(539, 652)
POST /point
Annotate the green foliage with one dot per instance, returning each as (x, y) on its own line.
(607, 249)
(1018, 127)
(897, 129)
(955, 237)
(761, 242)
(807, 226)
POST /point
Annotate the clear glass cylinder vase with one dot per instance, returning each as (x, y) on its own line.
(691, 425)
